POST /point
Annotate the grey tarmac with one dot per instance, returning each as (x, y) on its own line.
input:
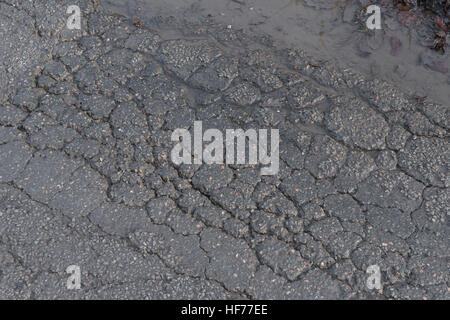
(86, 178)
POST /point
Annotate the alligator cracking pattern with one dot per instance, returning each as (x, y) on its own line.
(86, 178)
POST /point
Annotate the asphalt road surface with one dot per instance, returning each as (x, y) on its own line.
(86, 177)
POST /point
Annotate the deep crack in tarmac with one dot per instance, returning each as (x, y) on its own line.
(86, 177)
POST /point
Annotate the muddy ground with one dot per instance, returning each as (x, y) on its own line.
(329, 30)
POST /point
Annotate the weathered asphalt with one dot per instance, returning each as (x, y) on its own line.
(86, 178)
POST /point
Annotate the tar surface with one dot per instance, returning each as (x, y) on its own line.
(86, 177)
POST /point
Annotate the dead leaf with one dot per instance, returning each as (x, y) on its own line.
(441, 23)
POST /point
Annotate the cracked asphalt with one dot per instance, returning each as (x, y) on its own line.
(86, 178)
